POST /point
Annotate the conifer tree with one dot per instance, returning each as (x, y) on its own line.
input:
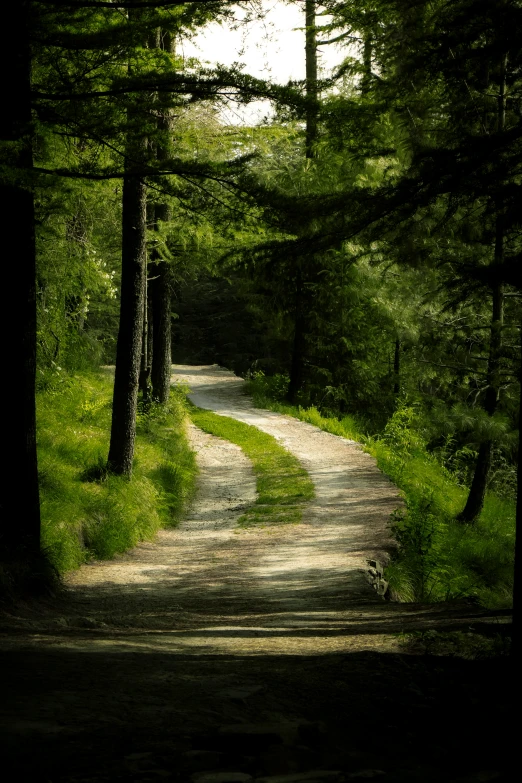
(133, 297)
(159, 270)
(311, 137)
(104, 103)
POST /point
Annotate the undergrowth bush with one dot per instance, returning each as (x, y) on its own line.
(86, 513)
(437, 557)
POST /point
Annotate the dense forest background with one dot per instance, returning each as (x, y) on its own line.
(358, 252)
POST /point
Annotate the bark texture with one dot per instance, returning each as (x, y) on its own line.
(160, 296)
(311, 79)
(130, 333)
(299, 345)
(478, 487)
(300, 324)
(159, 324)
(146, 345)
(160, 273)
(477, 491)
(517, 581)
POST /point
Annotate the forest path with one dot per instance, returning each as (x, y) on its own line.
(293, 589)
(218, 655)
(320, 565)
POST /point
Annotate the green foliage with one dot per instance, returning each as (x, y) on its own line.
(437, 559)
(78, 248)
(415, 574)
(402, 431)
(84, 518)
(283, 486)
(268, 391)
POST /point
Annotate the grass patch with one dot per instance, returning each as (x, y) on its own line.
(82, 518)
(283, 486)
(438, 558)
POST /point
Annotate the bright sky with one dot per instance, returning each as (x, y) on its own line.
(270, 49)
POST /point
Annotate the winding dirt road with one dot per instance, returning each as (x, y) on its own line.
(322, 564)
(207, 584)
(218, 655)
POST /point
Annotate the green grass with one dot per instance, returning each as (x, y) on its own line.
(260, 389)
(283, 486)
(84, 519)
(438, 558)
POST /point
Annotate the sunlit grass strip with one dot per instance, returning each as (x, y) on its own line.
(82, 518)
(283, 486)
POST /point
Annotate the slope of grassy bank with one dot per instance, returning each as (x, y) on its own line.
(282, 484)
(438, 558)
(84, 519)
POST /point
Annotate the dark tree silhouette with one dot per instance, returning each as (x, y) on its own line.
(19, 500)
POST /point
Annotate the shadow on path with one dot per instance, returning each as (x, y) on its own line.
(99, 715)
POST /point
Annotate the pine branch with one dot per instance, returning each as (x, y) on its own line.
(129, 4)
(220, 82)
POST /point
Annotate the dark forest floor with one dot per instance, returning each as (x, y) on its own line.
(96, 712)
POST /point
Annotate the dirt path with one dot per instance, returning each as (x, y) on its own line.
(342, 529)
(218, 656)
(291, 590)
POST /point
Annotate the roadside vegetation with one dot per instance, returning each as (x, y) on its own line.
(283, 486)
(438, 558)
(86, 512)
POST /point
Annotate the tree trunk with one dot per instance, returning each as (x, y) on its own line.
(311, 134)
(311, 79)
(367, 63)
(160, 274)
(397, 368)
(477, 491)
(132, 296)
(517, 583)
(478, 487)
(299, 346)
(19, 508)
(160, 318)
(144, 383)
(130, 334)
(150, 332)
